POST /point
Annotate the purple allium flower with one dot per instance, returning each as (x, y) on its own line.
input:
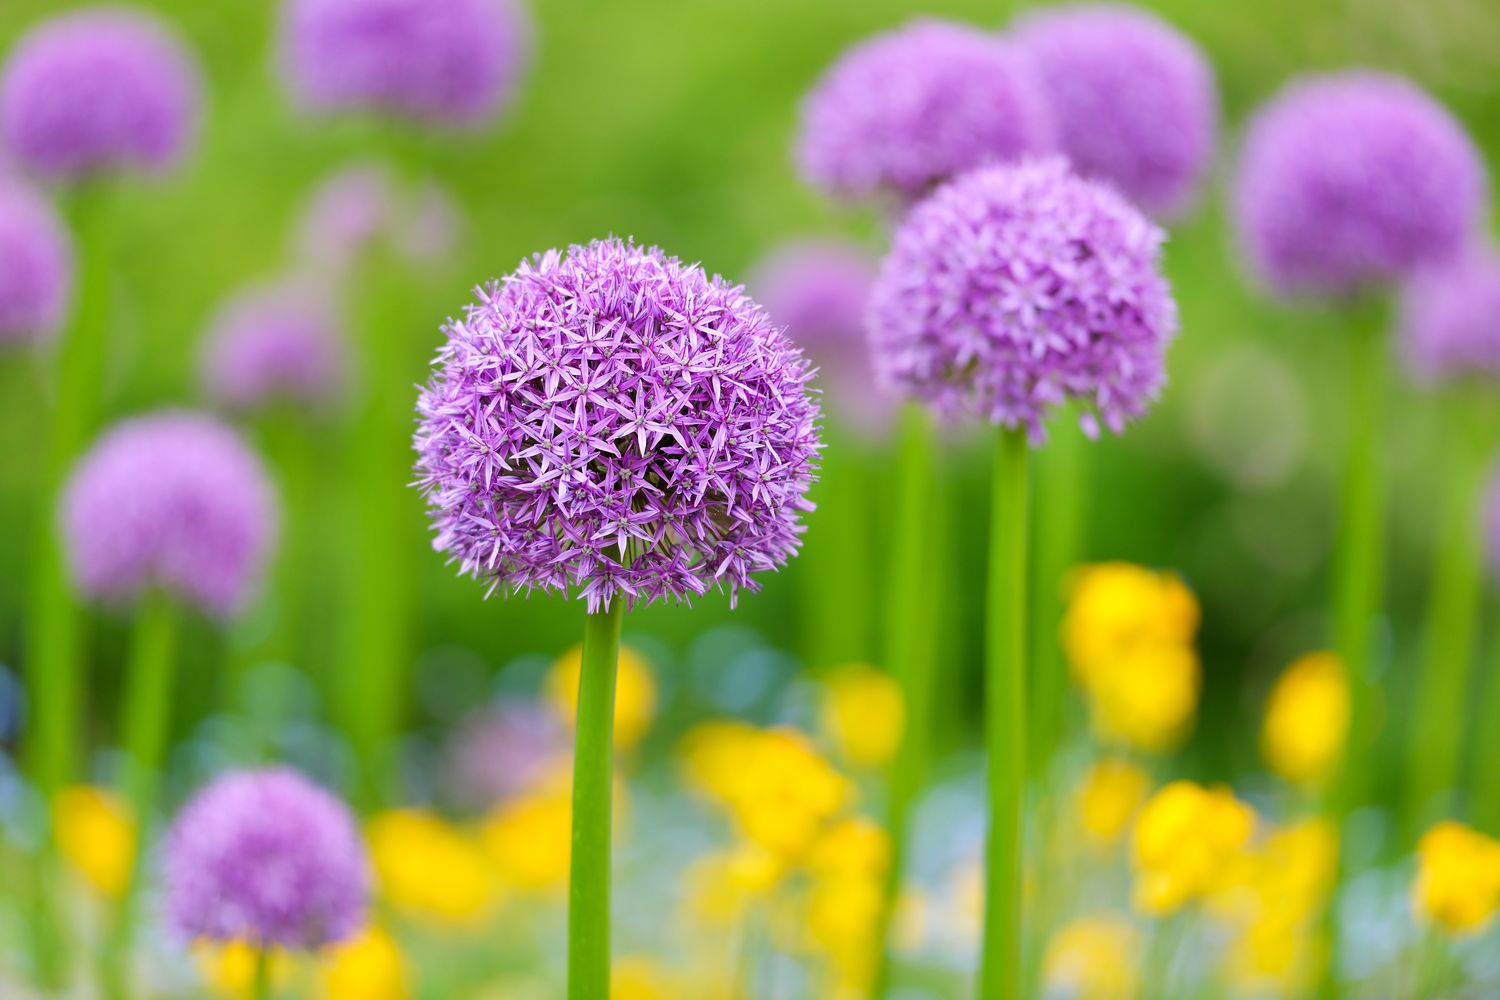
(36, 266)
(909, 109)
(361, 206)
(279, 343)
(267, 857)
(1450, 319)
(1354, 180)
(1014, 289)
(500, 751)
(97, 91)
(453, 62)
(613, 419)
(1133, 98)
(173, 500)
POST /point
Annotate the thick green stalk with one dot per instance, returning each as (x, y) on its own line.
(1005, 721)
(593, 770)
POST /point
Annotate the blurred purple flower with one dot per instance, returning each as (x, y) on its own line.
(360, 207)
(1134, 99)
(614, 420)
(278, 343)
(97, 91)
(1352, 181)
(501, 750)
(450, 62)
(908, 109)
(172, 500)
(1015, 289)
(36, 266)
(1450, 319)
(266, 857)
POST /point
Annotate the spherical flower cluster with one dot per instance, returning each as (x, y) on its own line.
(1013, 290)
(1307, 720)
(1134, 99)
(446, 62)
(1352, 181)
(1458, 878)
(173, 500)
(906, 110)
(269, 857)
(614, 420)
(1450, 319)
(279, 343)
(99, 91)
(36, 267)
(1185, 841)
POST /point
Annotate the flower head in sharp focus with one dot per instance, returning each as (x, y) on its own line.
(36, 267)
(1014, 290)
(1093, 958)
(635, 693)
(1354, 181)
(266, 856)
(1458, 878)
(98, 91)
(1185, 842)
(1307, 720)
(444, 62)
(275, 344)
(614, 421)
(906, 110)
(1134, 99)
(173, 500)
(1450, 320)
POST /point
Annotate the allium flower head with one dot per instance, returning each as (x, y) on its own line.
(448, 62)
(1134, 99)
(911, 108)
(1015, 289)
(361, 207)
(614, 420)
(172, 500)
(1450, 319)
(36, 267)
(98, 91)
(279, 343)
(1352, 181)
(269, 857)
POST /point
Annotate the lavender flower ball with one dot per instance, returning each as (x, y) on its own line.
(1134, 99)
(1450, 319)
(172, 500)
(1015, 289)
(446, 62)
(36, 267)
(267, 857)
(613, 420)
(99, 91)
(1352, 181)
(276, 344)
(906, 110)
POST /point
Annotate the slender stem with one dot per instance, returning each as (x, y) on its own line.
(1005, 721)
(1485, 777)
(593, 766)
(262, 986)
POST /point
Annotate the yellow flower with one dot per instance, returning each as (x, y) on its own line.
(1186, 840)
(1274, 957)
(97, 836)
(1458, 878)
(1307, 719)
(635, 693)
(636, 978)
(851, 848)
(862, 714)
(722, 886)
(712, 754)
(369, 966)
(1115, 609)
(430, 869)
(1146, 699)
(843, 919)
(1108, 797)
(229, 969)
(1092, 958)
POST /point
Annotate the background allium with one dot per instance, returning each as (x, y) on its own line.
(454, 62)
(1450, 319)
(172, 500)
(97, 91)
(361, 207)
(1133, 98)
(1354, 180)
(908, 109)
(1014, 289)
(36, 266)
(613, 419)
(279, 343)
(501, 750)
(266, 857)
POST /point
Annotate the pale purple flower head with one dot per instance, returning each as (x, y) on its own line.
(98, 91)
(1134, 99)
(502, 750)
(1354, 181)
(614, 420)
(267, 857)
(1015, 289)
(279, 343)
(906, 110)
(444, 62)
(1450, 319)
(361, 207)
(172, 500)
(36, 267)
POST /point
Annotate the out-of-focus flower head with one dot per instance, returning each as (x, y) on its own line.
(1185, 842)
(1450, 320)
(862, 715)
(267, 857)
(722, 886)
(1108, 797)
(1307, 720)
(911, 108)
(1133, 97)
(1115, 609)
(229, 969)
(427, 868)
(98, 91)
(1458, 878)
(1354, 181)
(36, 267)
(362, 207)
(612, 421)
(96, 834)
(369, 966)
(1147, 698)
(501, 751)
(439, 62)
(1093, 958)
(635, 693)
(172, 500)
(273, 344)
(1014, 290)
(848, 864)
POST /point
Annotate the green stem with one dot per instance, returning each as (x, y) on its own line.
(1005, 721)
(1484, 775)
(262, 986)
(593, 766)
